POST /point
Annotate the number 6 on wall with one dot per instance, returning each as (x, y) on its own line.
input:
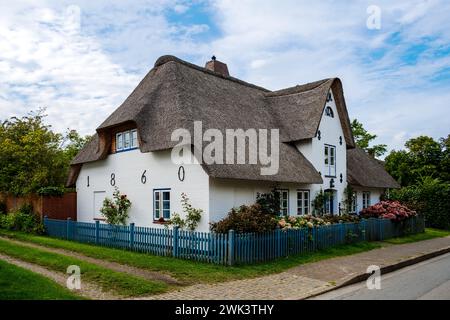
(144, 177)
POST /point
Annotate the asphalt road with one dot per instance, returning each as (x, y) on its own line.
(428, 280)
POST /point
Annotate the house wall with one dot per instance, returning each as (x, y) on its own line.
(128, 168)
(375, 195)
(226, 194)
(313, 150)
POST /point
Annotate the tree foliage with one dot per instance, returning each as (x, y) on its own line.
(32, 156)
(423, 157)
(429, 197)
(364, 138)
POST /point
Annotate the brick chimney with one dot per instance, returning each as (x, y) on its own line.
(217, 67)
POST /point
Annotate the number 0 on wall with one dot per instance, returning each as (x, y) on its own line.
(181, 173)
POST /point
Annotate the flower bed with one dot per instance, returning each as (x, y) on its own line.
(392, 210)
(309, 221)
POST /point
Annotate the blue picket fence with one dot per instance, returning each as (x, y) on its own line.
(232, 248)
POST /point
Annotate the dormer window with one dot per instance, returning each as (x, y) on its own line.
(329, 97)
(126, 140)
(329, 112)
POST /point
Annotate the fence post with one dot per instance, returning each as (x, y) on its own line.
(175, 241)
(97, 231)
(132, 235)
(231, 247)
(363, 229)
(278, 237)
(45, 222)
(68, 224)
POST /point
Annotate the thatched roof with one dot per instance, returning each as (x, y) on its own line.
(176, 93)
(365, 171)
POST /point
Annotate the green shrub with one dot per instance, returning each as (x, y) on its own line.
(22, 220)
(2, 207)
(246, 219)
(430, 198)
(26, 208)
(270, 203)
(116, 211)
(51, 191)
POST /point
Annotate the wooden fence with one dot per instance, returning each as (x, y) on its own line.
(54, 207)
(232, 248)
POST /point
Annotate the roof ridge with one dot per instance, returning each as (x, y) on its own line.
(298, 88)
(170, 58)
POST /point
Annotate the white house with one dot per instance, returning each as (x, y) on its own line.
(131, 149)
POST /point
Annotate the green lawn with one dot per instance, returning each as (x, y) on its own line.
(19, 284)
(190, 272)
(121, 283)
(429, 234)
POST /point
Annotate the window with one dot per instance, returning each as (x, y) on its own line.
(330, 161)
(366, 200)
(302, 202)
(329, 112)
(134, 142)
(353, 205)
(119, 141)
(161, 204)
(126, 140)
(284, 202)
(329, 97)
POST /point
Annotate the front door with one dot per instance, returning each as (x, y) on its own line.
(330, 197)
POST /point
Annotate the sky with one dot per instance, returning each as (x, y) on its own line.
(80, 59)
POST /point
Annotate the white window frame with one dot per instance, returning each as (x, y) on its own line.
(134, 140)
(284, 210)
(303, 202)
(366, 199)
(330, 160)
(158, 204)
(126, 137)
(354, 204)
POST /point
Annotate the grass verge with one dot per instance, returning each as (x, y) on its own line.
(429, 234)
(121, 283)
(20, 284)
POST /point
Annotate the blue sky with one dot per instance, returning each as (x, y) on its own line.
(80, 59)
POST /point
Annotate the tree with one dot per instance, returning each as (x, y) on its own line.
(423, 157)
(32, 156)
(445, 159)
(363, 139)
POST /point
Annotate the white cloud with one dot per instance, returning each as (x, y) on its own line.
(302, 41)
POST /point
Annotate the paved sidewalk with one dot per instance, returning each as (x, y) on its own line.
(309, 279)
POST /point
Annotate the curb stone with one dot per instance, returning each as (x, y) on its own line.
(385, 270)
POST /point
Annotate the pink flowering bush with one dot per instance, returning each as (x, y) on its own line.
(392, 210)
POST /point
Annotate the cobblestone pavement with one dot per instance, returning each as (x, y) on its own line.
(308, 279)
(282, 286)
